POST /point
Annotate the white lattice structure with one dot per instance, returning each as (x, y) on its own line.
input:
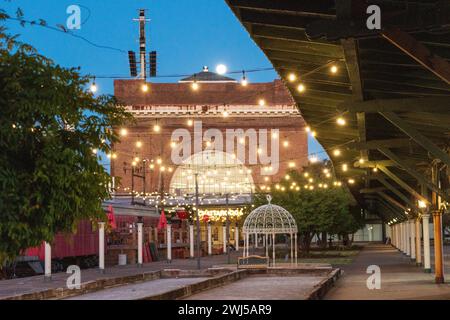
(269, 220)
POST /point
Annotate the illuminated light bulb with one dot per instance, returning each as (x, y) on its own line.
(136, 159)
(14, 126)
(173, 144)
(93, 88)
(361, 161)
(195, 86)
(313, 159)
(233, 156)
(159, 161)
(287, 177)
(313, 134)
(337, 152)
(291, 164)
(260, 151)
(170, 169)
(292, 77)
(341, 121)
(139, 144)
(351, 181)
(310, 180)
(328, 175)
(325, 171)
(320, 185)
(286, 144)
(262, 102)
(325, 186)
(283, 189)
(134, 163)
(94, 151)
(123, 132)
(244, 81)
(308, 129)
(301, 88)
(274, 135)
(156, 128)
(297, 188)
(306, 174)
(334, 69)
(422, 204)
(277, 186)
(208, 144)
(249, 171)
(144, 87)
(109, 156)
(242, 140)
(311, 187)
(152, 166)
(266, 179)
(225, 114)
(375, 169)
(344, 167)
(190, 123)
(221, 69)
(114, 156)
(163, 169)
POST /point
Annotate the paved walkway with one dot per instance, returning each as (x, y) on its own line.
(400, 278)
(37, 283)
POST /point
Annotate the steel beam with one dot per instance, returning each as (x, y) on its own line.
(375, 144)
(419, 52)
(420, 139)
(420, 178)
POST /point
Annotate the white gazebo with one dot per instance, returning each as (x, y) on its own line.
(269, 220)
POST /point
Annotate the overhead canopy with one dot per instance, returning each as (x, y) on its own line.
(391, 87)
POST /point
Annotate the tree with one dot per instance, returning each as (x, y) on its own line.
(50, 128)
(319, 204)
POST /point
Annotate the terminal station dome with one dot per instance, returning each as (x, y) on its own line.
(207, 76)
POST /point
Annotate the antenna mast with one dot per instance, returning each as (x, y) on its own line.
(142, 43)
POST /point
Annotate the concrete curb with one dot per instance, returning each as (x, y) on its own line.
(321, 289)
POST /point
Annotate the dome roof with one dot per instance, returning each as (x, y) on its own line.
(207, 76)
(270, 218)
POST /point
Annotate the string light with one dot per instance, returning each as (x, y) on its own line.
(244, 81)
(344, 167)
(139, 144)
(291, 164)
(136, 159)
(341, 121)
(337, 152)
(262, 102)
(195, 85)
(313, 134)
(301, 88)
(94, 151)
(93, 87)
(225, 114)
(173, 144)
(308, 129)
(361, 161)
(351, 181)
(334, 69)
(159, 161)
(144, 87)
(375, 169)
(156, 128)
(190, 122)
(292, 77)
(123, 132)
(313, 159)
(286, 144)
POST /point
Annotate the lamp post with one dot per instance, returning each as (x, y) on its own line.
(198, 222)
(228, 229)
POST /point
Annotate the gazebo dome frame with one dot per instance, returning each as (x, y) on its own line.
(269, 220)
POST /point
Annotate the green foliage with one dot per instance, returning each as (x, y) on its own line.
(324, 209)
(49, 125)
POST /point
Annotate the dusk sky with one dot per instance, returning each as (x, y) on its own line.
(188, 34)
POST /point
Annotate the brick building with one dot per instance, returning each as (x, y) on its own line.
(236, 137)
